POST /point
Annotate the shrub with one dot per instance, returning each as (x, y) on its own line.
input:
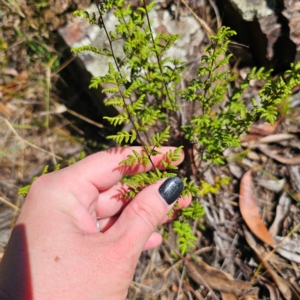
(143, 84)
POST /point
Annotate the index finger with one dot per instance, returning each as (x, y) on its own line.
(102, 169)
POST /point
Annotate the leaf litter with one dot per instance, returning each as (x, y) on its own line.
(229, 262)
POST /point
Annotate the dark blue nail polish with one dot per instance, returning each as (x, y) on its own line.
(171, 189)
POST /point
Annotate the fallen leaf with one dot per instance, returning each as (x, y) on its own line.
(297, 196)
(244, 268)
(288, 248)
(253, 155)
(254, 141)
(274, 138)
(23, 76)
(228, 296)
(11, 72)
(250, 212)
(294, 175)
(214, 278)
(285, 288)
(272, 185)
(4, 109)
(235, 170)
(282, 209)
(274, 293)
(265, 128)
(250, 138)
(285, 160)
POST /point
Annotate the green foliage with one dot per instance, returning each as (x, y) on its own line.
(190, 188)
(124, 136)
(194, 211)
(213, 189)
(143, 84)
(186, 236)
(84, 14)
(215, 131)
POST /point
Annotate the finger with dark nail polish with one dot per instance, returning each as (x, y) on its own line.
(171, 189)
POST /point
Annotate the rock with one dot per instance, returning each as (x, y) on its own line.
(292, 13)
(79, 32)
(263, 31)
(254, 8)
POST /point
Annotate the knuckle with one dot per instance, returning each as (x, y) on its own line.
(40, 183)
(149, 214)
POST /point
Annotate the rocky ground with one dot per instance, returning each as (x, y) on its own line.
(48, 115)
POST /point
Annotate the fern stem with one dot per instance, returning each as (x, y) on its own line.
(120, 91)
(156, 53)
(107, 35)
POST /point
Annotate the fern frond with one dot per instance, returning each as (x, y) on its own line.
(111, 90)
(123, 136)
(186, 237)
(118, 120)
(159, 138)
(194, 210)
(85, 15)
(116, 101)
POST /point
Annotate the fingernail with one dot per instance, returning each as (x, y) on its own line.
(171, 189)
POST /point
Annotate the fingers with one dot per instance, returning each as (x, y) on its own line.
(102, 169)
(154, 240)
(142, 215)
(108, 214)
(112, 202)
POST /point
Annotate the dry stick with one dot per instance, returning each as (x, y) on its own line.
(84, 118)
(20, 197)
(9, 204)
(65, 64)
(15, 6)
(166, 273)
(185, 261)
(295, 229)
(13, 45)
(195, 293)
(180, 282)
(148, 268)
(204, 283)
(208, 30)
(136, 288)
(203, 250)
(74, 113)
(216, 10)
(231, 247)
(26, 142)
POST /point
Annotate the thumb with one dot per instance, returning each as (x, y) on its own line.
(145, 212)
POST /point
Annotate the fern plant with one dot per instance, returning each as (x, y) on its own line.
(143, 84)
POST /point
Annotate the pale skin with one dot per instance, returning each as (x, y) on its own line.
(56, 250)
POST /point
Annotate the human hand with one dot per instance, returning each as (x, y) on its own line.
(56, 250)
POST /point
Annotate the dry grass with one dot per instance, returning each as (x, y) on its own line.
(31, 137)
